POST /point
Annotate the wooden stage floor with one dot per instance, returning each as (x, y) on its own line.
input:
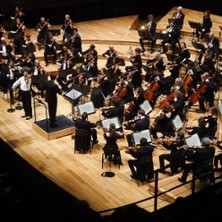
(80, 174)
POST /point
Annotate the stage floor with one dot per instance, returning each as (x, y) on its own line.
(80, 174)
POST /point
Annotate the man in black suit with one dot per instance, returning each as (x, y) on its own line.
(51, 98)
(84, 124)
(178, 17)
(198, 156)
(143, 157)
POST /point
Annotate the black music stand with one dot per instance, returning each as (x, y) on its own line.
(55, 32)
(147, 69)
(198, 46)
(160, 35)
(171, 57)
(194, 26)
(59, 47)
(171, 20)
(83, 89)
(120, 61)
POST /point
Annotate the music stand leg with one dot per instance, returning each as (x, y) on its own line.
(10, 110)
(108, 173)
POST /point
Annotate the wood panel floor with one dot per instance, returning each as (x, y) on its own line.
(80, 174)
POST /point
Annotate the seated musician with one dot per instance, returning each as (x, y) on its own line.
(205, 26)
(111, 136)
(163, 123)
(199, 155)
(149, 27)
(50, 49)
(27, 64)
(3, 50)
(84, 124)
(213, 44)
(77, 77)
(178, 17)
(26, 45)
(201, 129)
(116, 110)
(184, 54)
(178, 104)
(155, 64)
(143, 156)
(176, 157)
(139, 123)
(135, 59)
(208, 63)
(110, 54)
(173, 34)
(42, 28)
(91, 51)
(75, 43)
(134, 105)
(134, 76)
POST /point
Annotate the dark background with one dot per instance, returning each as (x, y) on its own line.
(82, 10)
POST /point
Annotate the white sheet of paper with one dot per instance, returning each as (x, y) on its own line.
(106, 122)
(142, 134)
(177, 122)
(220, 106)
(146, 107)
(87, 107)
(193, 140)
(73, 94)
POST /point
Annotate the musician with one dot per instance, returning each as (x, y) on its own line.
(139, 123)
(111, 148)
(19, 30)
(18, 14)
(91, 51)
(135, 76)
(84, 124)
(178, 105)
(173, 33)
(174, 68)
(138, 99)
(2, 31)
(110, 54)
(163, 123)
(184, 53)
(143, 156)
(213, 44)
(27, 45)
(27, 64)
(116, 110)
(67, 28)
(75, 42)
(50, 49)
(208, 63)
(198, 156)
(149, 27)
(51, 98)
(25, 85)
(135, 59)
(201, 129)
(3, 50)
(42, 28)
(178, 17)
(64, 55)
(176, 157)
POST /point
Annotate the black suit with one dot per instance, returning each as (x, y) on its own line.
(207, 24)
(142, 155)
(86, 125)
(51, 98)
(178, 19)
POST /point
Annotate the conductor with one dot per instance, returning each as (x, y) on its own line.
(51, 98)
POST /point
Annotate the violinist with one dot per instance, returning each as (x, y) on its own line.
(116, 110)
(42, 28)
(201, 129)
(135, 59)
(139, 123)
(3, 50)
(25, 85)
(135, 76)
(18, 14)
(110, 54)
(208, 63)
(67, 28)
(163, 123)
(213, 44)
(205, 26)
(19, 30)
(178, 104)
(91, 51)
(27, 46)
(178, 17)
(64, 56)
(173, 34)
(184, 53)
(28, 64)
(50, 49)
(149, 27)
(176, 157)
(75, 42)
(134, 105)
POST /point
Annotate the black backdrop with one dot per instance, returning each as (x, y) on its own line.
(81, 10)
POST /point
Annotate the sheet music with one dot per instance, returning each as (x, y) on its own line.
(87, 107)
(220, 106)
(73, 94)
(146, 107)
(106, 122)
(142, 134)
(193, 140)
(177, 123)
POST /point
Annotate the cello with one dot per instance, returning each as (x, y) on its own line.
(187, 80)
(196, 94)
(120, 94)
(148, 94)
(168, 100)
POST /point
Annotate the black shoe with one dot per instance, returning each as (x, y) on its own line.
(134, 177)
(28, 117)
(181, 180)
(95, 142)
(24, 116)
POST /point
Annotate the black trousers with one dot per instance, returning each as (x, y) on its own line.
(52, 107)
(209, 98)
(26, 102)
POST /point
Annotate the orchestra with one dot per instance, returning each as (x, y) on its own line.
(172, 88)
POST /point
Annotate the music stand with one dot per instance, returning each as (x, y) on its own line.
(147, 69)
(141, 33)
(81, 88)
(86, 107)
(198, 46)
(106, 122)
(193, 140)
(120, 61)
(55, 32)
(194, 26)
(59, 46)
(171, 20)
(139, 135)
(171, 57)
(63, 73)
(177, 123)
(160, 35)
(146, 107)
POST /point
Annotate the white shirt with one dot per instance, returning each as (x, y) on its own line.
(24, 85)
(3, 51)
